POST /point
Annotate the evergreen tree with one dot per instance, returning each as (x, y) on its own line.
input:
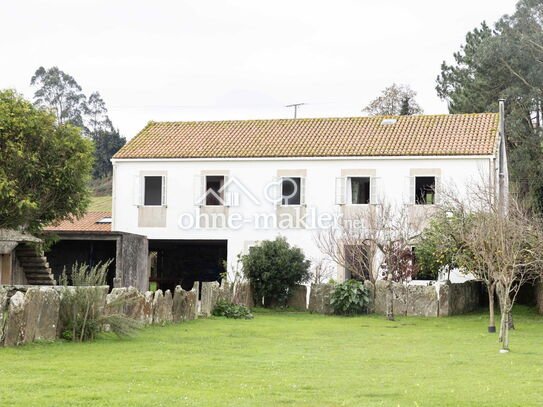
(505, 62)
(404, 109)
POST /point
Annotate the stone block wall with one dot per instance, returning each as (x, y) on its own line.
(298, 297)
(30, 313)
(319, 298)
(439, 300)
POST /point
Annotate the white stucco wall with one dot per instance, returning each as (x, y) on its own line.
(255, 174)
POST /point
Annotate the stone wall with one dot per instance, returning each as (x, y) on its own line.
(439, 300)
(319, 298)
(30, 313)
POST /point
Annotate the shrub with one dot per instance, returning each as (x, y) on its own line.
(439, 246)
(349, 298)
(229, 310)
(274, 268)
(82, 306)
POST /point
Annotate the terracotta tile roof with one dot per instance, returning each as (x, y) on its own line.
(86, 224)
(461, 134)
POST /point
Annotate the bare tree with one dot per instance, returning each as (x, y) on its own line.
(321, 270)
(502, 245)
(394, 100)
(370, 239)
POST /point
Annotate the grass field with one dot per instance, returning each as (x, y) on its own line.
(100, 203)
(294, 359)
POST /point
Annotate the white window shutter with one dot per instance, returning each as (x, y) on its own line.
(137, 191)
(164, 191)
(340, 190)
(198, 189)
(276, 192)
(411, 190)
(437, 191)
(226, 195)
(374, 190)
(302, 190)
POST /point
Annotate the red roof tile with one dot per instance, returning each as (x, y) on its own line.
(87, 223)
(459, 134)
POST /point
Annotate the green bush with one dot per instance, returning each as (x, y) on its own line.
(349, 298)
(229, 310)
(274, 268)
(82, 305)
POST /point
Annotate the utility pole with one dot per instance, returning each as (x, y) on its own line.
(295, 106)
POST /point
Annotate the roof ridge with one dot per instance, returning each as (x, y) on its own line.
(298, 119)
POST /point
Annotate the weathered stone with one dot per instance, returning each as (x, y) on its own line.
(32, 306)
(226, 292)
(190, 304)
(135, 302)
(444, 294)
(15, 324)
(399, 292)
(210, 293)
(381, 288)
(158, 301)
(46, 327)
(148, 307)
(422, 301)
(179, 299)
(113, 301)
(298, 297)
(167, 307)
(370, 287)
(464, 297)
(3, 310)
(319, 298)
(243, 295)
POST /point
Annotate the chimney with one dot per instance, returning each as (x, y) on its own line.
(503, 174)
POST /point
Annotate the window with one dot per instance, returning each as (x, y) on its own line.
(356, 262)
(359, 189)
(291, 191)
(214, 190)
(152, 191)
(425, 190)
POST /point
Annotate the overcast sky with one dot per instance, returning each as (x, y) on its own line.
(239, 59)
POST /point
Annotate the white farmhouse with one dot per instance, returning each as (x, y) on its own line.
(204, 192)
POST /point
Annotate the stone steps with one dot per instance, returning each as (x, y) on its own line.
(35, 266)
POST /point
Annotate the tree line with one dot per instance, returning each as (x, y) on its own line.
(60, 93)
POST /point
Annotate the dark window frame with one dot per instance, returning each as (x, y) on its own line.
(216, 184)
(425, 190)
(291, 183)
(367, 190)
(149, 188)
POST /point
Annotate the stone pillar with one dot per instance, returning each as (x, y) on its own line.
(15, 325)
(370, 287)
(319, 298)
(210, 293)
(444, 294)
(298, 297)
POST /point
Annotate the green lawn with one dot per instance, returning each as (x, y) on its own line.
(100, 204)
(295, 359)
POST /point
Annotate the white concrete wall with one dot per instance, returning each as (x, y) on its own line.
(255, 174)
